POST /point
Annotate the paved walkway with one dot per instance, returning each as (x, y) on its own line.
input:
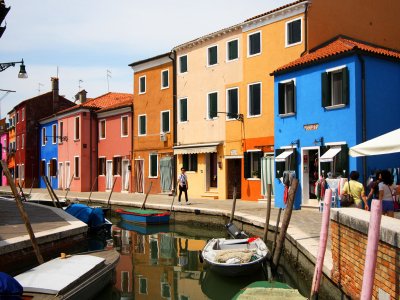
(304, 229)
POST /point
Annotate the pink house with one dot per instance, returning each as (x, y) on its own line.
(115, 147)
(3, 147)
(77, 148)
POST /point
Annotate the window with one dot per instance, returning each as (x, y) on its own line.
(17, 142)
(102, 129)
(212, 56)
(232, 50)
(54, 134)
(22, 171)
(252, 164)
(153, 165)
(189, 162)
(165, 290)
(232, 103)
(165, 121)
(254, 44)
(101, 166)
(142, 84)
(43, 167)
(17, 116)
(53, 167)
(22, 141)
(212, 104)
(142, 125)
(61, 131)
(17, 171)
(335, 87)
(23, 114)
(164, 79)
(183, 64)
(293, 32)
(254, 99)
(286, 95)
(76, 128)
(117, 166)
(44, 138)
(142, 285)
(124, 126)
(183, 114)
(76, 166)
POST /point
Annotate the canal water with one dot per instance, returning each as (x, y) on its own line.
(163, 262)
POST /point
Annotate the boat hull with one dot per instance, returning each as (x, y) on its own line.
(143, 229)
(135, 216)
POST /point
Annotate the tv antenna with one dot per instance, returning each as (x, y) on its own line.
(79, 84)
(108, 83)
(39, 85)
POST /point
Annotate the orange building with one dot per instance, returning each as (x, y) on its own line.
(153, 127)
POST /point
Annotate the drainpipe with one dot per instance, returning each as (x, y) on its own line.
(364, 114)
(172, 56)
(305, 30)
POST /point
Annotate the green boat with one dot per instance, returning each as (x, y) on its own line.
(271, 290)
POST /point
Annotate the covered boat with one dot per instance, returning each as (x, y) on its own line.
(273, 290)
(79, 276)
(235, 257)
(144, 216)
(92, 216)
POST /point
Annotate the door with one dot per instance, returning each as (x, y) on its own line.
(49, 177)
(109, 175)
(234, 169)
(125, 175)
(68, 179)
(166, 174)
(212, 170)
(139, 163)
(60, 176)
(309, 173)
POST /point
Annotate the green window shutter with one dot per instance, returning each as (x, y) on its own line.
(255, 43)
(165, 79)
(185, 161)
(260, 155)
(342, 161)
(194, 162)
(212, 55)
(142, 125)
(293, 161)
(326, 91)
(255, 99)
(153, 167)
(233, 50)
(279, 165)
(212, 105)
(183, 64)
(281, 96)
(183, 107)
(291, 94)
(246, 165)
(165, 121)
(233, 103)
(345, 86)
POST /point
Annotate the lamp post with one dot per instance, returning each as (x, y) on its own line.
(22, 71)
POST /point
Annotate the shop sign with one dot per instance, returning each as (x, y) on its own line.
(309, 127)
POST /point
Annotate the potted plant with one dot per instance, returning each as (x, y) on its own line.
(255, 174)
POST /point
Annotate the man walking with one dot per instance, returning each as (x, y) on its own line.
(183, 186)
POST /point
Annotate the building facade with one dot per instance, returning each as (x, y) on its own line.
(48, 157)
(328, 101)
(11, 143)
(4, 148)
(153, 125)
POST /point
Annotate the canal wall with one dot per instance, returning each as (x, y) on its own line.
(349, 232)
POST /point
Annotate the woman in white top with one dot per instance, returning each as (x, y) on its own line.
(386, 192)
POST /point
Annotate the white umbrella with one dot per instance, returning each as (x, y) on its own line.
(383, 144)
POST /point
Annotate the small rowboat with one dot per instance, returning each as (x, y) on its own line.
(144, 216)
(78, 277)
(235, 257)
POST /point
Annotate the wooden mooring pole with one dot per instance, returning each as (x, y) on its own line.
(285, 223)
(323, 239)
(147, 194)
(22, 211)
(372, 249)
(268, 216)
(233, 205)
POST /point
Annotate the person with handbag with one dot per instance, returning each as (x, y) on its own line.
(356, 190)
(387, 193)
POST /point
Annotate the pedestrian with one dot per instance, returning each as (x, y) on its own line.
(387, 192)
(356, 189)
(183, 186)
(374, 186)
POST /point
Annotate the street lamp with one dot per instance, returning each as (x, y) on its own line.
(22, 71)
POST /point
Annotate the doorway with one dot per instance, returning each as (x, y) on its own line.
(139, 176)
(309, 173)
(109, 175)
(60, 176)
(68, 180)
(212, 170)
(234, 171)
(125, 175)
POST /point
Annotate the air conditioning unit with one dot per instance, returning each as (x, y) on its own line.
(163, 137)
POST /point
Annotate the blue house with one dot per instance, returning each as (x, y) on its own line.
(336, 96)
(48, 151)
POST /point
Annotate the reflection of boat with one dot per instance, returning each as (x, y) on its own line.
(143, 229)
(75, 277)
(235, 257)
(147, 216)
(268, 290)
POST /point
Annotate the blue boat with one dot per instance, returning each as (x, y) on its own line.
(93, 217)
(143, 229)
(144, 216)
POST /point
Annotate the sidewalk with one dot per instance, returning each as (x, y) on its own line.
(304, 229)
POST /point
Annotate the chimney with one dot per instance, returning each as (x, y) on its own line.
(54, 85)
(82, 96)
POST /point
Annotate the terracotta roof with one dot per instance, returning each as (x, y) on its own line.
(276, 9)
(125, 103)
(341, 45)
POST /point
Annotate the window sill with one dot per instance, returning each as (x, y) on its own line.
(124, 136)
(153, 177)
(294, 44)
(287, 115)
(164, 87)
(232, 60)
(253, 116)
(253, 55)
(211, 66)
(253, 179)
(335, 106)
(117, 175)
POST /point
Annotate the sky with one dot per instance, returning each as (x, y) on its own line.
(83, 41)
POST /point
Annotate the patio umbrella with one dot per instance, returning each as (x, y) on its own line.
(383, 144)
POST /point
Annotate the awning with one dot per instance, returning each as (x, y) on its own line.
(384, 144)
(330, 154)
(285, 154)
(195, 149)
